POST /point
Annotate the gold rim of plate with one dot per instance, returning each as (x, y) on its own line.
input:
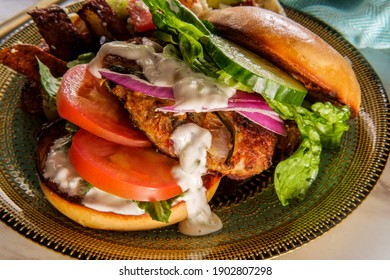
(256, 226)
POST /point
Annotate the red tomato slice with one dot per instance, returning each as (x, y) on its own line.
(133, 173)
(140, 16)
(84, 102)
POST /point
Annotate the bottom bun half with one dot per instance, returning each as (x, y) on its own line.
(96, 219)
(111, 221)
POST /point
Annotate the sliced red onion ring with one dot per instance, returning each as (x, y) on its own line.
(265, 118)
(265, 121)
(242, 96)
(251, 106)
(134, 83)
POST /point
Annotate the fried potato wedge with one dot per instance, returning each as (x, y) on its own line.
(58, 31)
(23, 59)
(103, 21)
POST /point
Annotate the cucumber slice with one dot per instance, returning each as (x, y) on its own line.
(254, 71)
(216, 3)
(120, 8)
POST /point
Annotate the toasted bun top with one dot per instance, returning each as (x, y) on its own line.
(324, 72)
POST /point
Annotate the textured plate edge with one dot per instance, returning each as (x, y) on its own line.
(271, 252)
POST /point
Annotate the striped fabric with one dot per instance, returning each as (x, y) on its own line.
(365, 23)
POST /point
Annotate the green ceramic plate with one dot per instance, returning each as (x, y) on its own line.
(256, 226)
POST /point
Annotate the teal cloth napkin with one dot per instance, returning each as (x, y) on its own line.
(364, 23)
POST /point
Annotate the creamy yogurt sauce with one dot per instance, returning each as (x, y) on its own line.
(59, 170)
(191, 143)
(193, 91)
(105, 202)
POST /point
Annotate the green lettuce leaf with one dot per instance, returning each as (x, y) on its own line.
(167, 13)
(322, 126)
(50, 84)
(294, 176)
(81, 59)
(331, 123)
(158, 210)
(177, 24)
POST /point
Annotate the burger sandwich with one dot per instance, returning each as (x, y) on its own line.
(150, 126)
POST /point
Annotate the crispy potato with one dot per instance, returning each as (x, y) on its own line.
(23, 59)
(60, 34)
(102, 20)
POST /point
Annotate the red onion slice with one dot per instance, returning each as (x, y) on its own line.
(265, 118)
(266, 121)
(242, 96)
(251, 106)
(134, 83)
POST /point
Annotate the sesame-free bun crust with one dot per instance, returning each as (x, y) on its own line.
(73, 209)
(324, 71)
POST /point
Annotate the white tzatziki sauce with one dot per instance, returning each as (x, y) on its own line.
(106, 202)
(191, 143)
(193, 91)
(59, 170)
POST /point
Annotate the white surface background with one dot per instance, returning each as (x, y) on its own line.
(365, 234)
